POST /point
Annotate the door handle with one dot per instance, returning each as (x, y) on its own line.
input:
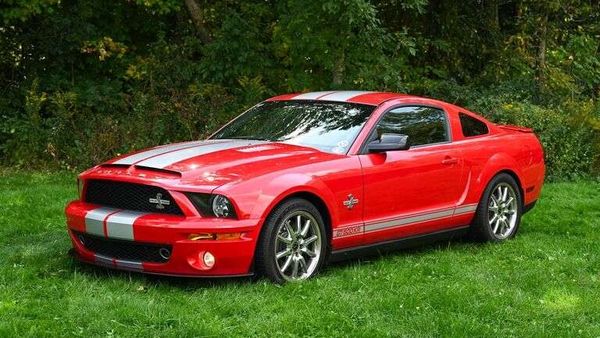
(449, 160)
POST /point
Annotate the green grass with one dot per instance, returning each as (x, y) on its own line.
(545, 282)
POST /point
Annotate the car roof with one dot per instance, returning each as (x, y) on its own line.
(354, 96)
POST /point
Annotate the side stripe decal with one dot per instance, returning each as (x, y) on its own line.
(465, 209)
(408, 220)
(354, 230)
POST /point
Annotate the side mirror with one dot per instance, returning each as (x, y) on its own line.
(389, 142)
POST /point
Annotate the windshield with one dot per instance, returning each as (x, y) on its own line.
(327, 126)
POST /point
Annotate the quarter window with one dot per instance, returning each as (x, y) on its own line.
(423, 125)
(472, 126)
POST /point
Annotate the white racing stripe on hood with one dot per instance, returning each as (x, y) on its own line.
(157, 151)
(165, 160)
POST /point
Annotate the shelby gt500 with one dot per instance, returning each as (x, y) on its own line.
(303, 178)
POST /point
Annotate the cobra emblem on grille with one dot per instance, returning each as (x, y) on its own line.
(160, 203)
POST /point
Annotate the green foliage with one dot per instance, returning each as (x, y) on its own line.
(82, 81)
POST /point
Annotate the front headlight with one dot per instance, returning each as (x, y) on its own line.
(212, 205)
(221, 206)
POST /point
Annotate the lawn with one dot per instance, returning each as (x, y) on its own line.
(545, 282)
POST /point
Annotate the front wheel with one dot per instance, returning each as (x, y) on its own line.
(293, 242)
(499, 211)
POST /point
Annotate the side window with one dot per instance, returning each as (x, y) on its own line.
(472, 126)
(423, 125)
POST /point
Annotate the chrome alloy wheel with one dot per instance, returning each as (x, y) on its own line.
(298, 246)
(502, 210)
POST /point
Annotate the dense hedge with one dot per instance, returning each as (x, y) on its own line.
(83, 81)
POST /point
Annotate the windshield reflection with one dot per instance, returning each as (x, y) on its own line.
(327, 126)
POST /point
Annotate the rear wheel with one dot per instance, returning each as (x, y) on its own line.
(293, 243)
(499, 211)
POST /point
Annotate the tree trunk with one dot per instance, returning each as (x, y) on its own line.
(338, 70)
(198, 19)
(541, 55)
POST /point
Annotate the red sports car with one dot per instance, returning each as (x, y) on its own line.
(300, 179)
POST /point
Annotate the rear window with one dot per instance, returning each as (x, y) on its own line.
(472, 126)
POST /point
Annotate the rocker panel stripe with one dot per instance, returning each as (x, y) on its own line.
(354, 230)
(408, 220)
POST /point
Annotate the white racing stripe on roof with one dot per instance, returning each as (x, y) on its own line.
(343, 95)
(156, 151)
(312, 95)
(165, 160)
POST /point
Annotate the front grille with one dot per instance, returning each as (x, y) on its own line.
(127, 250)
(130, 196)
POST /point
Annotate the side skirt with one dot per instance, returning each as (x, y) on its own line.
(401, 243)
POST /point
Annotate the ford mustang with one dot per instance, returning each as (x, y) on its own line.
(302, 179)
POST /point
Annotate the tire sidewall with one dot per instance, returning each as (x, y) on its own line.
(482, 225)
(265, 253)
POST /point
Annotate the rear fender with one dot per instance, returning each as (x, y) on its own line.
(496, 164)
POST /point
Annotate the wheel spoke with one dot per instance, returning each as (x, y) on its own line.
(493, 209)
(510, 199)
(291, 232)
(505, 194)
(302, 264)
(308, 252)
(286, 240)
(494, 219)
(310, 240)
(495, 200)
(284, 253)
(298, 224)
(286, 265)
(496, 226)
(506, 225)
(306, 228)
(294, 268)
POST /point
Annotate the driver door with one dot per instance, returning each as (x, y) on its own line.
(414, 191)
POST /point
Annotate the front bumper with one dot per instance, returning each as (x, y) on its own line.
(233, 257)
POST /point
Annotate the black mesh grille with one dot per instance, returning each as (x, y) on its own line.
(127, 250)
(129, 196)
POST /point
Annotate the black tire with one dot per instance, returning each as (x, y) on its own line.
(481, 228)
(265, 261)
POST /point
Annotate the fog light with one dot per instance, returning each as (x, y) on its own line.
(164, 253)
(209, 259)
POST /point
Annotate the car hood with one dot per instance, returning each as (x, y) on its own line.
(212, 162)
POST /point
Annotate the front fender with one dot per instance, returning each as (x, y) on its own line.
(255, 199)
